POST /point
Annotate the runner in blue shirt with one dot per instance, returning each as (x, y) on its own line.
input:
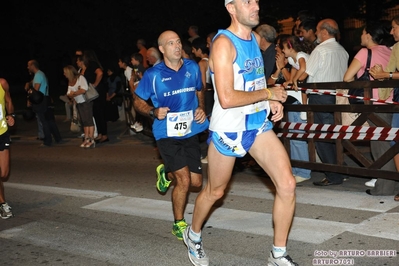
(175, 88)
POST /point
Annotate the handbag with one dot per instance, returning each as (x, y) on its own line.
(91, 93)
(365, 76)
(75, 125)
(35, 97)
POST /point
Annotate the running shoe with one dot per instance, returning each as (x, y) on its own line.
(178, 229)
(284, 260)
(162, 183)
(196, 253)
(5, 211)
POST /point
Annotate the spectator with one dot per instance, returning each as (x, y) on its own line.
(138, 71)
(209, 39)
(372, 35)
(142, 50)
(128, 72)
(187, 51)
(77, 87)
(282, 69)
(302, 16)
(327, 63)
(385, 186)
(45, 116)
(297, 53)
(308, 31)
(193, 33)
(200, 50)
(93, 72)
(114, 99)
(153, 56)
(268, 36)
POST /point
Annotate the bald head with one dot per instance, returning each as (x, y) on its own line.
(165, 36)
(326, 29)
(170, 45)
(330, 26)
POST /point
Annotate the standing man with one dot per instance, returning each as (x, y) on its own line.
(239, 125)
(6, 119)
(142, 50)
(47, 118)
(328, 62)
(153, 56)
(268, 49)
(193, 33)
(174, 86)
(308, 31)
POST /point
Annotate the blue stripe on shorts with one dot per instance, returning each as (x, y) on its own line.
(236, 144)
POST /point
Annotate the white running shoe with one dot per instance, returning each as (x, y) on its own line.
(137, 127)
(284, 260)
(5, 211)
(196, 253)
(371, 183)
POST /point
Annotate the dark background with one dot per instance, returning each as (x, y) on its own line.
(51, 31)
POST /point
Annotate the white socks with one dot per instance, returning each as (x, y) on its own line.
(278, 251)
(196, 237)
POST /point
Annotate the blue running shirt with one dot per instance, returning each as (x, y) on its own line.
(176, 90)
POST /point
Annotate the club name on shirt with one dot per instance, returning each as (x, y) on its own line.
(174, 92)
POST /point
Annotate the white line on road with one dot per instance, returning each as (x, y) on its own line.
(320, 197)
(90, 194)
(237, 220)
(248, 221)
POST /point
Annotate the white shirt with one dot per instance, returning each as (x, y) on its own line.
(128, 73)
(82, 83)
(298, 56)
(328, 62)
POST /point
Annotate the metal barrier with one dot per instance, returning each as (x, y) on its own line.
(346, 146)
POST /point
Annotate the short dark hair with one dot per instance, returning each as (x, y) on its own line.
(200, 43)
(138, 57)
(308, 24)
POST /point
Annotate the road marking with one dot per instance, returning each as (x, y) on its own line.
(86, 242)
(241, 221)
(320, 197)
(248, 221)
(90, 194)
(305, 195)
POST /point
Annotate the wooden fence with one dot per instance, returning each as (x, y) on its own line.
(366, 167)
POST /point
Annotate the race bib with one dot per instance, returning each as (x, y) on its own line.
(257, 84)
(179, 124)
(254, 108)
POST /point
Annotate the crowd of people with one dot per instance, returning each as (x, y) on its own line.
(232, 85)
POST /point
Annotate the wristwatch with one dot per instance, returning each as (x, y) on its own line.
(152, 113)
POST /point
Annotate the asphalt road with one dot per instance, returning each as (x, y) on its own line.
(74, 206)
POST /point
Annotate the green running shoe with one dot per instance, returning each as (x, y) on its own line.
(162, 183)
(178, 229)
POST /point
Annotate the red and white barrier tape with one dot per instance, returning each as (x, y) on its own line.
(338, 128)
(315, 91)
(347, 136)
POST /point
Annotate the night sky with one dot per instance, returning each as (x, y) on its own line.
(50, 31)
